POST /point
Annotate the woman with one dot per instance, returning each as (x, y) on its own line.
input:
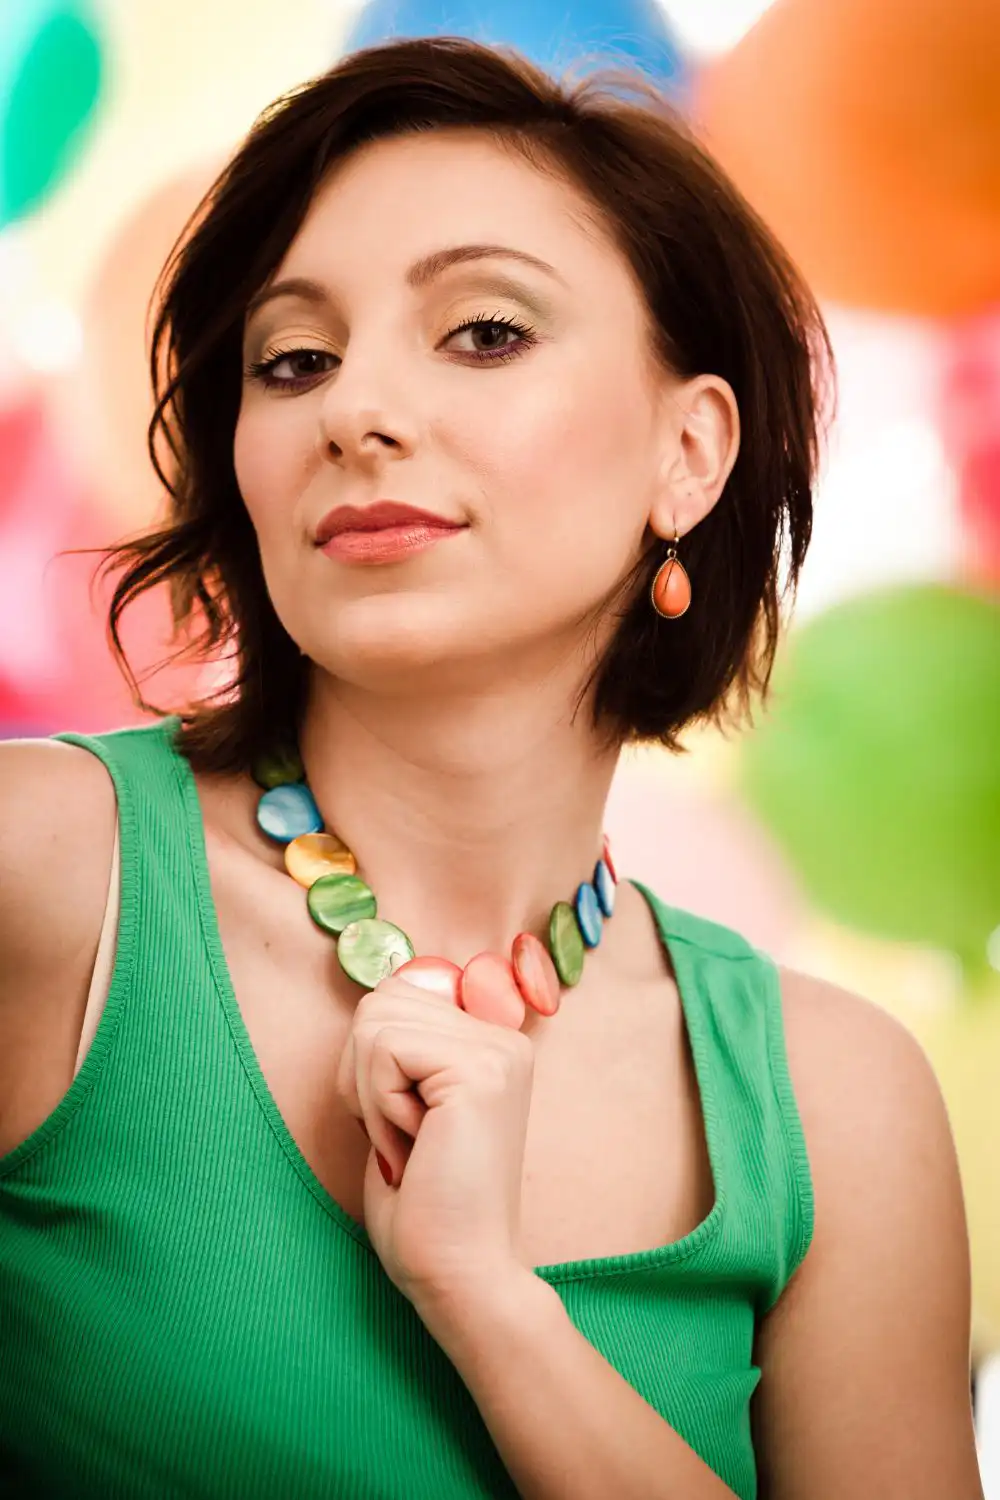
(458, 370)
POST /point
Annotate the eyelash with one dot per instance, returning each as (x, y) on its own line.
(261, 369)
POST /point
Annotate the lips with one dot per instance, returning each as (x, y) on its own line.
(378, 517)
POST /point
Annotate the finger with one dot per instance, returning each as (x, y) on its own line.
(396, 1002)
(436, 975)
(346, 1083)
(425, 981)
(391, 1000)
(485, 1060)
(391, 1110)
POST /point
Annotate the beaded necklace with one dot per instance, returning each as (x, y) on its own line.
(369, 948)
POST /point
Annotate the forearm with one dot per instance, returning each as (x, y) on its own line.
(563, 1420)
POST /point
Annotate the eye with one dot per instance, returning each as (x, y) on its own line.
(497, 328)
(305, 364)
(295, 369)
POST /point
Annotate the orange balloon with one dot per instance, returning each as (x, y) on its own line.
(866, 134)
(109, 402)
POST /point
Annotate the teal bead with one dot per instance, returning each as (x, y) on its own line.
(372, 949)
(335, 901)
(588, 914)
(566, 943)
(604, 887)
(287, 812)
(278, 768)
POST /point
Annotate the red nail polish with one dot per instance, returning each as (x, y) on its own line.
(384, 1167)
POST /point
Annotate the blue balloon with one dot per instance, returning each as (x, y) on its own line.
(558, 36)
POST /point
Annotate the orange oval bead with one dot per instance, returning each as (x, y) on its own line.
(672, 589)
(489, 991)
(438, 975)
(535, 974)
(314, 854)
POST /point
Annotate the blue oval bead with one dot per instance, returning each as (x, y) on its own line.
(588, 915)
(605, 888)
(286, 812)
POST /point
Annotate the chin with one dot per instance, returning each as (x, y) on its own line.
(387, 641)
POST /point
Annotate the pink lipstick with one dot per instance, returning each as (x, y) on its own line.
(381, 533)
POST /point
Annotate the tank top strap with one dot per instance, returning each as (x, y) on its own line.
(154, 816)
(154, 822)
(731, 995)
(160, 920)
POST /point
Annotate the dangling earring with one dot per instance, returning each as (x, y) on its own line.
(671, 591)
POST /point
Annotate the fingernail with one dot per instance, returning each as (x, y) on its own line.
(384, 1167)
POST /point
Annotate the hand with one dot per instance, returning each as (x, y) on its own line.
(444, 1097)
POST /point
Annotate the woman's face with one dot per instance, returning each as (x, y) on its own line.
(540, 430)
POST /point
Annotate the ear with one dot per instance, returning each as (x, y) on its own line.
(703, 439)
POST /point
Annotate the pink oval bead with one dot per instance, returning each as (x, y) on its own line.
(489, 991)
(535, 974)
(438, 975)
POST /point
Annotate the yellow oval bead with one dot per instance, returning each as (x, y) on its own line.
(314, 854)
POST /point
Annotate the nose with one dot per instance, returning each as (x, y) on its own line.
(365, 415)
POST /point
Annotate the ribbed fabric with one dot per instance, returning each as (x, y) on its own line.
(184, 1309)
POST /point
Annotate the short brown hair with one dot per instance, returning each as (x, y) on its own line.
(722, 297)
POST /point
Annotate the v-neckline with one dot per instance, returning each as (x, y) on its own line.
(592, 1266)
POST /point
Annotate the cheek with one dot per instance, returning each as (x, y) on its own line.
(270, 459)
(574, 477)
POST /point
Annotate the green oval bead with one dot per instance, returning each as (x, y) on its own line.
(566, 943)
(372, 949)
(335, 901)
(278, 767)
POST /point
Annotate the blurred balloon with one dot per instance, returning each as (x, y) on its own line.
(970, 427)
(554, 36)
(107, 405)
(877, 768)
(20, 435)
(865, 133)
(50, 81)
(56, 670)
(701, 849)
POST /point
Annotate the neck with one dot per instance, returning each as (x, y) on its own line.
(469, 816)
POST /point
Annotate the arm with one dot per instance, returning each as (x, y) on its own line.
(57, 820)
(865, 1358)
(563, 1419)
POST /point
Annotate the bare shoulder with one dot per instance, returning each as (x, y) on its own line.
(57, 820)
(865, 1358)
(853, 1066)
(57, 826)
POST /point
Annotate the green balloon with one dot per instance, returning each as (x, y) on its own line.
(50, 80)
(878, 765)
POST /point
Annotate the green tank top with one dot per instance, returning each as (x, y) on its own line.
(184, 1309)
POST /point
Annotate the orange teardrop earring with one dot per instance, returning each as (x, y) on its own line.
(671, 591)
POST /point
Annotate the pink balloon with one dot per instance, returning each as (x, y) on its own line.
(56, 669)
(703, 851)
(21, 432)
(970, 429)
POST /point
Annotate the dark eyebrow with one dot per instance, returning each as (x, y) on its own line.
(424, 270)
(420, 273)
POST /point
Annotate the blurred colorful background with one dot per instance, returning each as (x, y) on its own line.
(855, 832)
